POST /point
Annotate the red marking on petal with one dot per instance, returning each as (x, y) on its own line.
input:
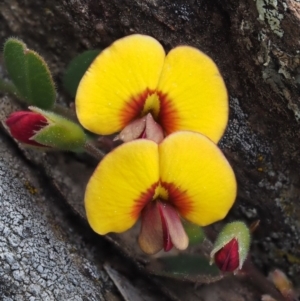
(23, 125)
(168, 116)
(179, 198)
(133, 107)
(143, 199)
(227, 258)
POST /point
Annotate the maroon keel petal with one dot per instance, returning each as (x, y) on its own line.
(153, 130)
(151, 234)
(23, 125)
(168, 245)
(161, 228)
(145, 127)
(173, 231)
(133, 130)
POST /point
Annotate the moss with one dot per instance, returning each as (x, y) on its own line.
(268, 12)
(32, 190)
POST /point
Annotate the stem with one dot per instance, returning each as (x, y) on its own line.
(10, 88)
(64, 111)
(260, 281)
(94, 151)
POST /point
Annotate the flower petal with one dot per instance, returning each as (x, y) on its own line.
(227, 258)
(199, 180)
(23, 125)
(133, 130)
(193, 94)
(151, 235)
(115, 87)
(122, 184)
(153, 130)
(174, 233)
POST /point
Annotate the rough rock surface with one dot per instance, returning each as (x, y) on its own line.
(39, 259)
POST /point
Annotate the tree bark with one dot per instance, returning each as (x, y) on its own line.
(256, 46)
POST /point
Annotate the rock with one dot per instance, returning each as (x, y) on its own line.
(38, 259)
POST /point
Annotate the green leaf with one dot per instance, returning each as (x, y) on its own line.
(30, 74)
(186, 267)
(194, 232)
(76, 70)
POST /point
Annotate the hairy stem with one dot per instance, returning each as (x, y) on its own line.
(94, 151)
(64, 111)
(260, 281)
(10, 88)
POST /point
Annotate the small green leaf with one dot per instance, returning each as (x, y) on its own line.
(30, 74)
(76, 70)
(186, 267)
(194, 232)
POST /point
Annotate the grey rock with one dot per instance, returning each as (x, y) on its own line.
(36, 260)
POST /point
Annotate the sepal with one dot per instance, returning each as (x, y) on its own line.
(60, 133)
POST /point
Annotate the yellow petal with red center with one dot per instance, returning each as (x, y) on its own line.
(122, 184)
(115, 87)
(199, 180)
(193, 94)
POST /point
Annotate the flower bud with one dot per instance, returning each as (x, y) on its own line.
(227, 258)
(45, 129)
(231, 247)
(23, 125)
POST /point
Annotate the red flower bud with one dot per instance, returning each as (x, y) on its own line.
(23, 125)
(231, 247)
(227, 258)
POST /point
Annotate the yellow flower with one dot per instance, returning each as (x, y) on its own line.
(134, 78)
(186, 175)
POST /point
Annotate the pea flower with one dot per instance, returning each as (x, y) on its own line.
(184, 176)
(134, 78)
(47, 130)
